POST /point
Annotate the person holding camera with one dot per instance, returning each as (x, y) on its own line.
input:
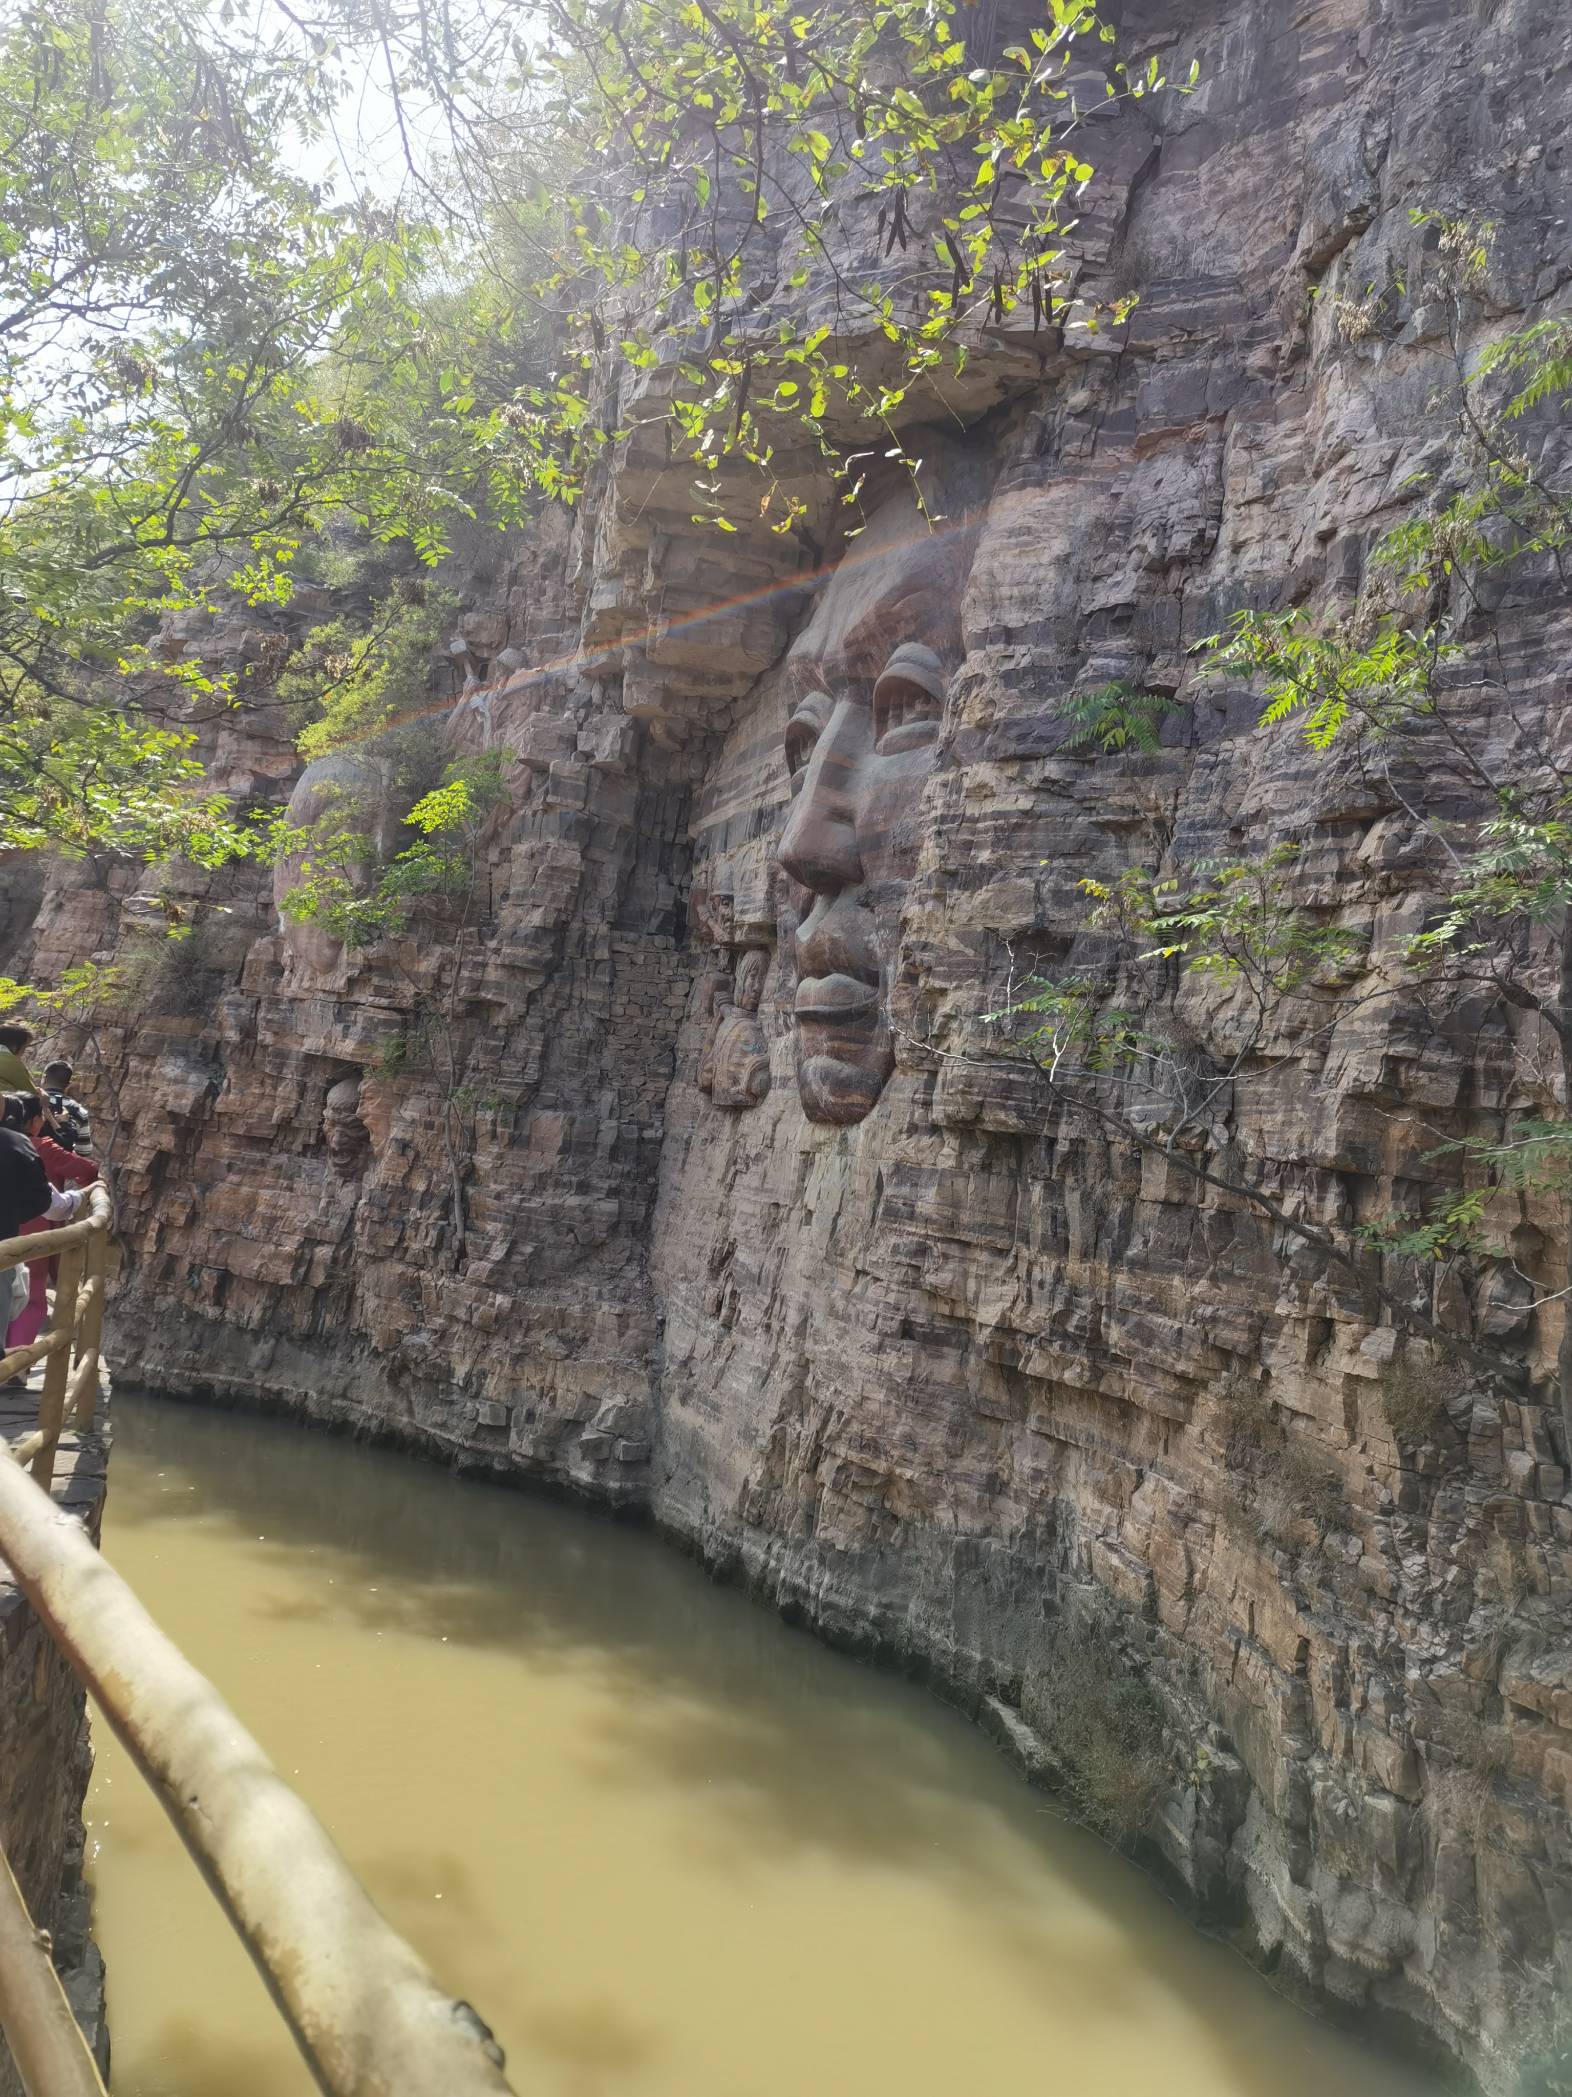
(73, 1128)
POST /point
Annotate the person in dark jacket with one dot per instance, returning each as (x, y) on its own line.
(24, 1193)
(29, 1202)
(24, 1185)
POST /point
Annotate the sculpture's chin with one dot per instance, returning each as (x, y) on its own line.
(836, 1092)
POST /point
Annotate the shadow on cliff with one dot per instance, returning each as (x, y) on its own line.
(790, 1749)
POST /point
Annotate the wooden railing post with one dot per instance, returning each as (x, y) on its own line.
(57, 1371)
(95, 1330)
(46, 2043)
(82, 1392)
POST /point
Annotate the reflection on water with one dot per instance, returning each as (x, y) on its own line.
(663, 1842)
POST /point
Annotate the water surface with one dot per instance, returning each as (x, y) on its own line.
(663, 1842)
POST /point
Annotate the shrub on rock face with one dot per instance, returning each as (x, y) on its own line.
(1245, 1416)
(1301, 1486)
(1104, 1730)
(1415, 1394)
(1276, 1480)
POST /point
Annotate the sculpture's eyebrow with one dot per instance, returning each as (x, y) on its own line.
(808, 674)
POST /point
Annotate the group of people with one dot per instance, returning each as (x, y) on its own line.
(46, 1166)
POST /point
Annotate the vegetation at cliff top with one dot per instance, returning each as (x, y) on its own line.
(352, 679)
(592, 214)
(202, 361)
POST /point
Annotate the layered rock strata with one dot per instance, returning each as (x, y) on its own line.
(947, 1376)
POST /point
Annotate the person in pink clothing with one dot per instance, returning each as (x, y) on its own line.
(66, 1173)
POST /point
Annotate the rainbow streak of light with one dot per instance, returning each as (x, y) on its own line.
(583, 659)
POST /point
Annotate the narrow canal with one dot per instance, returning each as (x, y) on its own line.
(663, 1842)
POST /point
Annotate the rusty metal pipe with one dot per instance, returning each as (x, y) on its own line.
(369, 2018)
(46, 2041)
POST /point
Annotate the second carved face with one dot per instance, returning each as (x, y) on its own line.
(344, 1134)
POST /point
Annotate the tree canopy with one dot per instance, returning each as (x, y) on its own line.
(214, 345)
(202, 359)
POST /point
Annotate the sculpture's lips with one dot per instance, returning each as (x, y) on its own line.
(835, 997)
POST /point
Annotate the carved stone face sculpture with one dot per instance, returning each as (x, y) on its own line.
(365, 791)
(736, 1071)
(751, 972)
(347, 1139)
(871, 672)
(341, 792)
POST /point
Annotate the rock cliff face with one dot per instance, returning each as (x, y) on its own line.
(946, 1377)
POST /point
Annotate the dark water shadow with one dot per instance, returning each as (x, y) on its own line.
(231, 2069)
(590, 2040)
(789, 1746)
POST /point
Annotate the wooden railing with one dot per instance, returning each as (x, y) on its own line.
(369, 2018)
(72, 1347)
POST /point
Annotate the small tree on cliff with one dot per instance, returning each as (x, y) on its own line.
(203, 361)
(76, 1015)
(436, 882)
(658, 179)
(1215, 979)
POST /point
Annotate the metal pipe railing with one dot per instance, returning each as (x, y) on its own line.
(369, 2018)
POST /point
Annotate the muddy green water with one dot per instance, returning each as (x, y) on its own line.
(664, 1843)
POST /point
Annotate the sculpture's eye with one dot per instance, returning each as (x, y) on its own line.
(908, 700)
(803, 731)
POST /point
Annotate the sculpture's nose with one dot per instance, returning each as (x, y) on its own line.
(819, 845)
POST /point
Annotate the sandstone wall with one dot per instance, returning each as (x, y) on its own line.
(938, 1373)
